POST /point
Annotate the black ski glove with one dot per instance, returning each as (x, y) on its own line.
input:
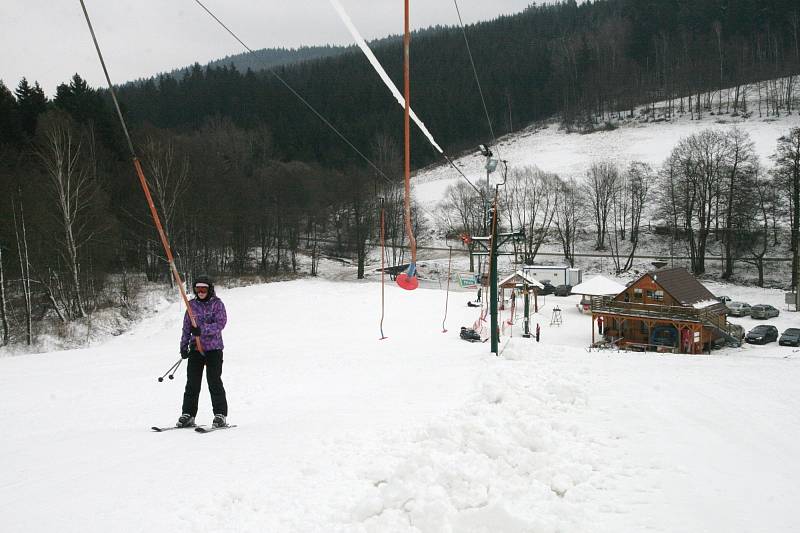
(185, 352)
(195, 331)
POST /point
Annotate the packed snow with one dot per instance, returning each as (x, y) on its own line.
(420, 432)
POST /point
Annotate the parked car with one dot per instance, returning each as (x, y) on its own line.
(790, 337)
(763, 311)
(723, 299)
(738, 309)
(563, 290)
(548, 287)
(762, 334)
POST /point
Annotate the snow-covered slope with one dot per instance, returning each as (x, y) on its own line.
(553, 149)
(421, 432)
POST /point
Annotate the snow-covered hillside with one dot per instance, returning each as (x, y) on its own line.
(421, 432)
(553, 149)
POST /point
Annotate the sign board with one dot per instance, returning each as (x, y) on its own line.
(790, 297)
(696, 336)
(467, 280)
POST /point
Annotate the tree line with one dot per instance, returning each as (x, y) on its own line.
(586, 63)
(712, 190)
(76, 235)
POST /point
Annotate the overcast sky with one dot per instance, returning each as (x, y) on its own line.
(48, 41)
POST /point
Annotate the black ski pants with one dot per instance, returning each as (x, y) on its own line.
(212, 361)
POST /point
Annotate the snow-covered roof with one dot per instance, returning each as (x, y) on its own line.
(704, 304)
(598, 286)
(522, 278)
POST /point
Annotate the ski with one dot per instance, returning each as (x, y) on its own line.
(203, 429)
(170, 428)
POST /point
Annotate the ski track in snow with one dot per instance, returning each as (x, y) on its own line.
(422, 432)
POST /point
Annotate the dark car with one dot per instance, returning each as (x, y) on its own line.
(790, 337)
(723, 299)
(548, 288)
(563, 290)
(762, 335)
(763, 311)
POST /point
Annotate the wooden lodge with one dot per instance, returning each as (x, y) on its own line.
(663, 310)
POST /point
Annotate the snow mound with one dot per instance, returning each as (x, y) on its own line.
(511, 460)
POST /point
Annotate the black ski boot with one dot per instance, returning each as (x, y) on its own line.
(185, 421)
(219, 421)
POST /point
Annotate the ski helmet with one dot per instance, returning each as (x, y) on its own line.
(203, 280)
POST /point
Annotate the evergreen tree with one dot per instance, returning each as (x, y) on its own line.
(31, 102)
(9, 116)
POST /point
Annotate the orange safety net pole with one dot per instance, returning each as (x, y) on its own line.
(408, 280)
(143, 181)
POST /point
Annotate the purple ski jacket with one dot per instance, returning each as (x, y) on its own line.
(211, 318)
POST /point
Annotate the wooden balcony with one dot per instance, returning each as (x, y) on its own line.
(608, 306)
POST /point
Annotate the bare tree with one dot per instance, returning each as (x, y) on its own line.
(531, 197)
(627, 206)
(740, 167)
(763, 198)
(3, 304)
(698, 163)
(394, 234)
(167, 175)
(640, 179)
(787, 176)
(59, 151)
(462, 211)
(362, 211)
(21, 233)
(599, 189)
(388, 157)
(568, 217)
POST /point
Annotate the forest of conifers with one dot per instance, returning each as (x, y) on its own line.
(237, 163)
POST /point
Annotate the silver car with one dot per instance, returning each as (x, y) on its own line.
(763, 311)
(738, 309)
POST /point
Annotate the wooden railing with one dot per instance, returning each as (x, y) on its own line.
(602, 304)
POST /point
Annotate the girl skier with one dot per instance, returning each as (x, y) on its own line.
(210, 317)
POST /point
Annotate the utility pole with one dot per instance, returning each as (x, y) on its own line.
(495, 336)
(491, 246)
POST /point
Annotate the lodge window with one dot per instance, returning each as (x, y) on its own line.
(659, 296)
(637, 294)
(650, 295)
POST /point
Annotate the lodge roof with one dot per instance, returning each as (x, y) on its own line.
(682, 285)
